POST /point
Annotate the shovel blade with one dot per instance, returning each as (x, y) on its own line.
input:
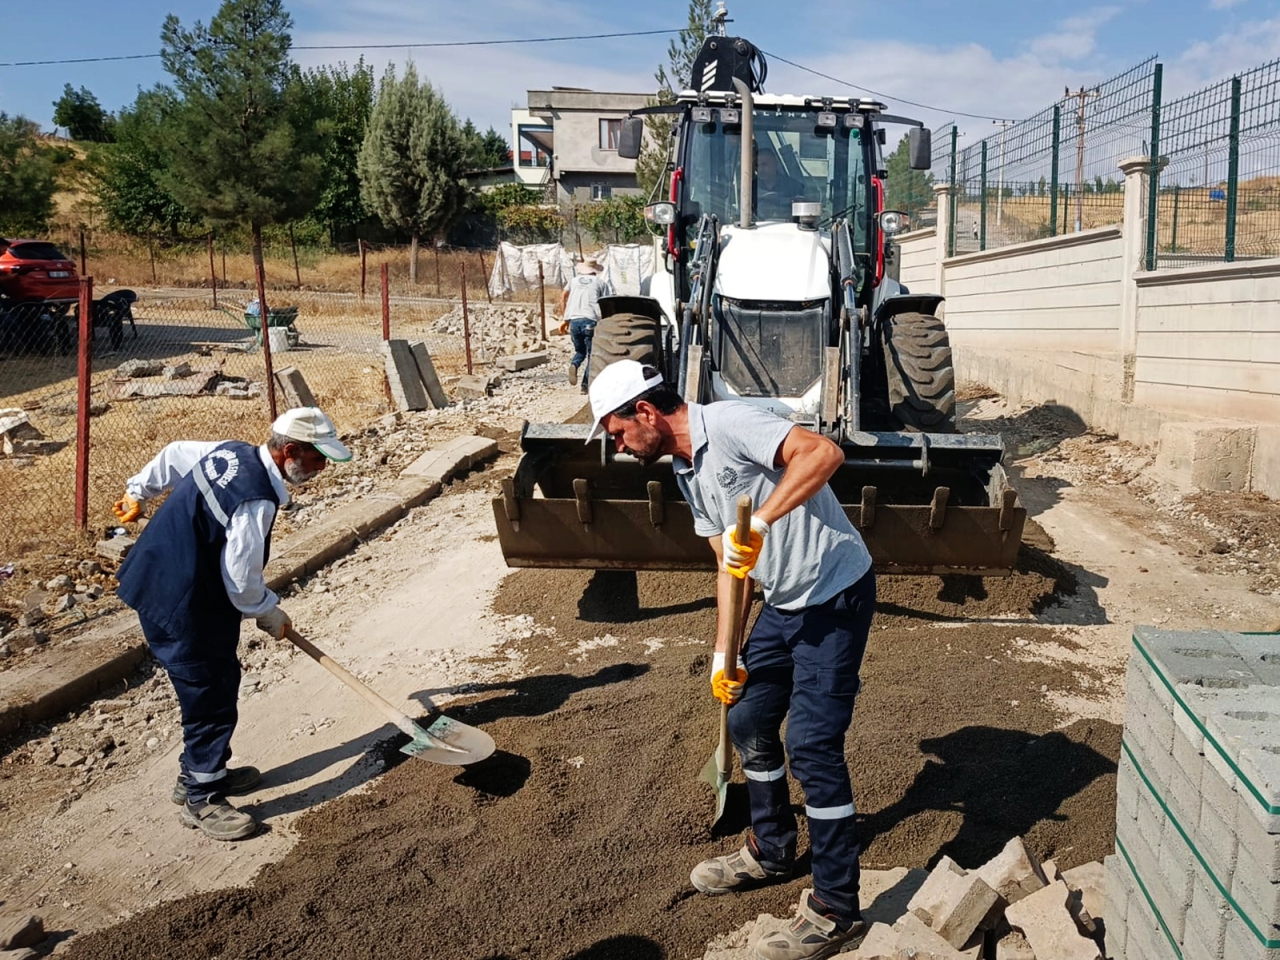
(714, 775)
(450, 743)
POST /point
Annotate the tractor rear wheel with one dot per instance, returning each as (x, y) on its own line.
(625, 336)
(921, 379)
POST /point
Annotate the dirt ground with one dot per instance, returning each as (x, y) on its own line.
(991, 708)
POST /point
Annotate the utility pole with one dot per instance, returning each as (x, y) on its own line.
(1083, 96)
(1004, 125)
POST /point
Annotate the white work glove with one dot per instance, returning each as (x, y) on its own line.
(723, 689)
(275, 622)
(739, 558)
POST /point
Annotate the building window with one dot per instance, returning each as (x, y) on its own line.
(601, 191)
(610, 130)
(532, 147)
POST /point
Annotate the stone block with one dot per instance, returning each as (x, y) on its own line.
(1255, 835)
(407, 390)
(931, 899)
(1013, 873)
(1216, 840)
(917, 941)
(522, 361)
(1046, 921)
(1209, 914)
(178, 371)
(971, 904)
(1014, 946)
(1203, 658)
(1116, 910)
(1189, 761)
(1089, 880)
(1243, 944)
(1261, 652)
(139, 368)
(473, 388)
(880, 943)
(294, 390)
(1206, 455)
(1266, 461)
(1259, 901)
(454, 457)
(1127, 787)
(117, 548)
(1246, 728)
(427, 373)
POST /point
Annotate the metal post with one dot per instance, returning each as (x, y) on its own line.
(982, 234)
(84, 377)
(542, 302)
(1153, 175)
(224, 265)
(364, 257)
(297, 274)
(264, 330)
(1066, 204)
(84, 260)
(1173, 242)
(1053, 178)
(484, 275)
(151, 249)
(951, 219)
(436, 248)
(213, 272)
(1233, 169)
(386, 304)
(466, 319)
(1004, 125)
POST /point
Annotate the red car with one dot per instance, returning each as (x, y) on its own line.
(36, 270)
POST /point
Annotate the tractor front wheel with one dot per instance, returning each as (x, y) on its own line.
(921, 379)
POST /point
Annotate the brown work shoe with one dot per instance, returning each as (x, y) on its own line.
(237, 781)
(737, 871)
(811, 935)
(573, 374)
(218, 820)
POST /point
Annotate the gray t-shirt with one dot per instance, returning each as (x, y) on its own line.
(585, 292)
(813, 552)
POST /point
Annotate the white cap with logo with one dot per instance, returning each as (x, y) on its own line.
(615, 386)
(310, 425)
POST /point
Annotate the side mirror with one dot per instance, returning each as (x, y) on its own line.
(630, 137)
(919, 148)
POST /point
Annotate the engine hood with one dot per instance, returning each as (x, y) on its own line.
(773, 261)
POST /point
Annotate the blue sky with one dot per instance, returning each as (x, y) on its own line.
(1001, 57)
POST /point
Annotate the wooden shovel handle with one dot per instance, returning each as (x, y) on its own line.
(736, 585)
(346, 676)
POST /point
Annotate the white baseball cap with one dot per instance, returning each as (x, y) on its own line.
(615, 386)
(310, 425)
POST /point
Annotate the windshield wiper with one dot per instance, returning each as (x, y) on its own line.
(827, 221)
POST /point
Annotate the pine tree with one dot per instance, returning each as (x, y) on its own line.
(412, 161)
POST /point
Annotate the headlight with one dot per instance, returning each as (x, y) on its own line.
(661, 214)
(893, 222)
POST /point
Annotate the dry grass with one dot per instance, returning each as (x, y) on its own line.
(339, 358)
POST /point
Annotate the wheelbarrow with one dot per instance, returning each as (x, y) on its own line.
(285, 316)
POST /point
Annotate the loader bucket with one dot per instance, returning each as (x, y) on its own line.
(924, 503)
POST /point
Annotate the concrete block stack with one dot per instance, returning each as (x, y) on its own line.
(1196, 874)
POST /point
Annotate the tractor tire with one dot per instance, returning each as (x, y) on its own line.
(625, 336)
(921, 379)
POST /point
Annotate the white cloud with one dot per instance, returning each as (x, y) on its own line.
(1224, 4)
(1075, 37)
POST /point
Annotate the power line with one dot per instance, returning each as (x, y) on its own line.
(364, 46)
(885, 96)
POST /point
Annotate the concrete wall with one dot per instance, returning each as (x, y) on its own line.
(1209, 340)
(919, 252)
(575, 116)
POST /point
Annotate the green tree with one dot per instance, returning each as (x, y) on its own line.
(1042, 186)
(342, 98)
(906, 189)
(241, 143)
(618, 219)
(412, 161)
(672, 77)
(82, 115)
(28, 177)
(484, 150)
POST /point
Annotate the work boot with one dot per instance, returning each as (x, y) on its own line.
(237, 781)
(217, 819)
(812, 935)
(737, 871)
(573, 373)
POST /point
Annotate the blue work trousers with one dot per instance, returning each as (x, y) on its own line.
(580, 332)
(805, 663)
(206, 677)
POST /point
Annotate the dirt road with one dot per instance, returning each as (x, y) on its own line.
(991, 708)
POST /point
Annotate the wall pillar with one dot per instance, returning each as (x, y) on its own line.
(1136, 171)
(943, 192)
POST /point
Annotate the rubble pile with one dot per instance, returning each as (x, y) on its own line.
(49, 603)
(19, 437)
(139, 379)
(500, 328)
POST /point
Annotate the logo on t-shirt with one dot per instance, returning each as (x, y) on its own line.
(728, 477)
(221, 466)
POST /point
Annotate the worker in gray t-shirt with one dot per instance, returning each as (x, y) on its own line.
(804, 653)
(580, 307)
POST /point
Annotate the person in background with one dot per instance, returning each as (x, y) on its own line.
(580, 307)
(197, 571)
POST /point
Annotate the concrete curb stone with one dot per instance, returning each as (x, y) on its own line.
(71, 675)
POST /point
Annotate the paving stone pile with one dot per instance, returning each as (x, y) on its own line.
(499, 328)
(1196, 874)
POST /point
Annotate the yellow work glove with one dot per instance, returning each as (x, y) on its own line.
(127, 509)
(275, 622)
(726, 691)
(740, 558)
(564, 328)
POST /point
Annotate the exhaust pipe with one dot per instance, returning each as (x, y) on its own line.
(748, 141)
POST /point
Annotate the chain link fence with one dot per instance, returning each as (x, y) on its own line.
(172, 366)
(1216, 163)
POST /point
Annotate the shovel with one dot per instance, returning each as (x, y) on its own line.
(445, 741)
(719, 767)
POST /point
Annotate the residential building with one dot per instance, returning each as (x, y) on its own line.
(567, 141)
